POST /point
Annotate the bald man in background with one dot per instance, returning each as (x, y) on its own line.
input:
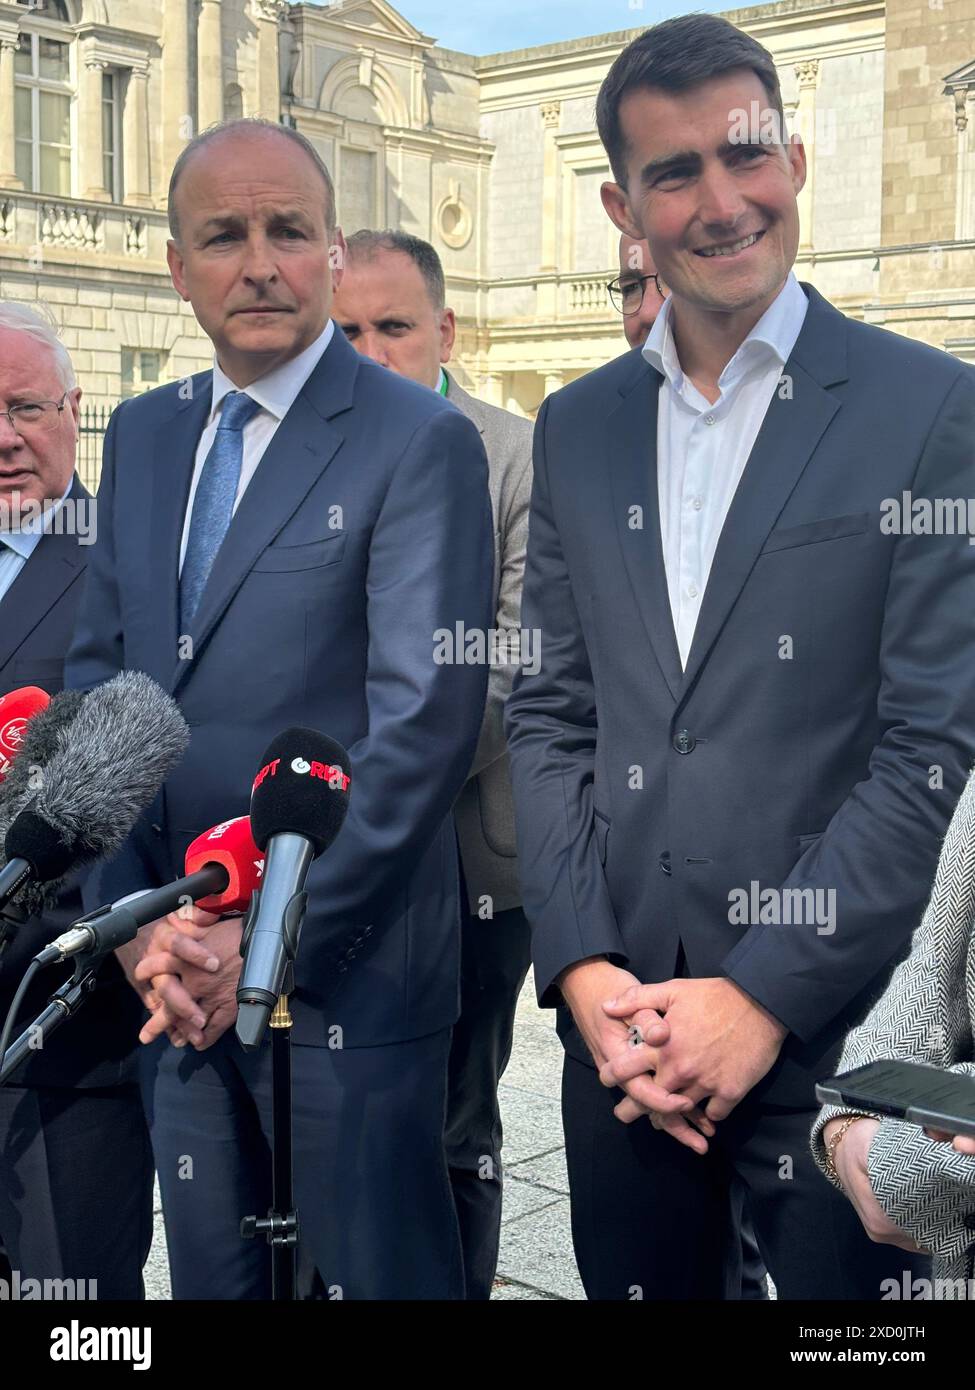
(392, 307)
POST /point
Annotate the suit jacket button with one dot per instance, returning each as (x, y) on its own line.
(664, 862)
(684, 741)
(157, 829)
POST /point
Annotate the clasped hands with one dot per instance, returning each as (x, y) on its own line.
(186, 967)
(684, 1051)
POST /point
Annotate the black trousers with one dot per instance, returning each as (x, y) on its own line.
(375, 1211)
(495, 956)
(76, 1187)
(650, 1218)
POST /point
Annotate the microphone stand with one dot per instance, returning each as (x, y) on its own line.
(280, 1226)
(63, 1004)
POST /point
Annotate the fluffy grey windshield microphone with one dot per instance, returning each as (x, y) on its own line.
(111, 760)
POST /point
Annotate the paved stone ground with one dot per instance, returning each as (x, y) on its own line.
(536, 1259)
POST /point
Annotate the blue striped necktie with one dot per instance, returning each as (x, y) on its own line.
(213, 505)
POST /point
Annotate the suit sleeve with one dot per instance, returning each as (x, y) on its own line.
(514, 540)
(431, 566)
(97, 653)
(879, 852)
(552, 730)
(925, 1187)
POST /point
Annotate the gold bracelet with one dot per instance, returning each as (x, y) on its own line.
(834, 1143)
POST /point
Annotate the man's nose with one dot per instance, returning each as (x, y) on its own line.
(9, 438)
(721, 203)
(260, 264)
(372, 346)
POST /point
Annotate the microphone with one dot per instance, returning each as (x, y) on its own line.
(298, 804)
(123, 742)
(223, 869)
(40, 741)
(16, 709)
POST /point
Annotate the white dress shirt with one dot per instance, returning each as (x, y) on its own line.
(702, 449)
(275, 393)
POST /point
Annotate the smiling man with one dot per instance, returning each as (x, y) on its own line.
(280, 538)
(748, 691)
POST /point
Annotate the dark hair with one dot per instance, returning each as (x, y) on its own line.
(366, 244)
(242, 125)
(675, 55)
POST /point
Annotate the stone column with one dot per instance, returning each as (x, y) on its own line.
(135, 140)
(92, 147)
(551, 112)
(553, 382)
(805, 122)
(268, 95)
(965, 169)
(209, 65)
(8, 152)
(178, 123)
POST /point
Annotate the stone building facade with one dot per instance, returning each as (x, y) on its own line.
(494, 159)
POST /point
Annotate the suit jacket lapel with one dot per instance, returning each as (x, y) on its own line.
(301, 449)
(175, 454)
(632, 438)
(790, 433)
(55, 563)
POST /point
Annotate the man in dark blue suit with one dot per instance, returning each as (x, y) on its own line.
(282, 541)
(756, 707)
(75, 1162)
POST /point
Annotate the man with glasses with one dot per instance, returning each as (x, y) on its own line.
(638, 293)
(76, 1101)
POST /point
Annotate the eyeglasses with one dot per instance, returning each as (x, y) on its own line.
(626, 296)
(33, 416)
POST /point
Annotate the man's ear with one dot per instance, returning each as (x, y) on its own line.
(337, 250)
(795, 152)
(174, 259)
(448, 331)
(617, 206)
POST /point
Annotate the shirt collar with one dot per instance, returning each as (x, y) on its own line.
(277, 391)
(25, 540)
(775, 334)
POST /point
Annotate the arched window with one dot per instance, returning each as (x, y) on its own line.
(42, 99)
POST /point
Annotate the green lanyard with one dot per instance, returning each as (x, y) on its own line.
(442, 388)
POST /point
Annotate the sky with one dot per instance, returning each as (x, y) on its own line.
(492, 26)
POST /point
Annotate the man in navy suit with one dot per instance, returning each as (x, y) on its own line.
(281, 541)
(756, 707)
(75, 1162)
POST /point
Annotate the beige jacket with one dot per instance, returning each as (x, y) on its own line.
(484, 811)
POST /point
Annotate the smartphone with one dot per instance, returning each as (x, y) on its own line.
(923, 1095)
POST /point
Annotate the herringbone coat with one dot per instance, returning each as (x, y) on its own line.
(926, 1015)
